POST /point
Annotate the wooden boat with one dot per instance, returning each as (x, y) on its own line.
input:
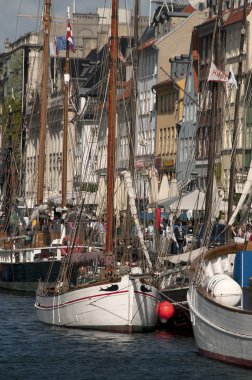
(107, 295)
(219, 299)
(219, 295)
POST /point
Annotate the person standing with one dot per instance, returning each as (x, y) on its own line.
(179, 233)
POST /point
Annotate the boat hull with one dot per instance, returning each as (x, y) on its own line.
(25, 276)
(180, 321)
(220, 333)
(131, 307)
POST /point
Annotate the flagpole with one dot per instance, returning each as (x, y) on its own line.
(65, 130)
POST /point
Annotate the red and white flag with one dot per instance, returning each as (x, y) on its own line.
(216, 75)
(69, 36)
(231, 78)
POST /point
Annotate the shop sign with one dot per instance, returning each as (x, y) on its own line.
(168, 163)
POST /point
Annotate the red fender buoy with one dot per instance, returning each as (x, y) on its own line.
(165, 310)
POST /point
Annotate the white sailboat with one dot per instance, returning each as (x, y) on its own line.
(219, 298)
(220, 291)
(107, 295)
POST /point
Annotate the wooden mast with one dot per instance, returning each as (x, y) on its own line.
(236, 121)
(65, 131)
(213, 130)
(43, 110)
(112, 125)
(133, 117)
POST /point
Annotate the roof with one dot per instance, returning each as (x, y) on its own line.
(147, 44)
(235, 16)
(229, 17)
(189, 9)
(165, 83)
(147, 35)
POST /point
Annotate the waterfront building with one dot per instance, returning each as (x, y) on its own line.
(15, 64)
(187, 126)
(167, 95)
(230, 55)
(154, 51)
(90, 33)
(174, 65)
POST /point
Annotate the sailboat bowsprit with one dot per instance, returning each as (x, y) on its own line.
(107, 295)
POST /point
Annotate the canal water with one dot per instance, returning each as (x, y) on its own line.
(30, 350)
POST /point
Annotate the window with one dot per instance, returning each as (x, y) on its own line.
(165, 141)
(144, 103)
(166, 103)
(181, 152)
(169, 101)
(172, 141)
(160, 141)
(173, 100)
(162, 104)
(141, 102)
(148, 101)
(168, 140)
(151, 101)
(199, 143)
(248, 136)
(185, 150)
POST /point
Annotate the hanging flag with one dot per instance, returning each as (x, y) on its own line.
(69, 36)
(216, 75)
(231, 78)
(60, 44)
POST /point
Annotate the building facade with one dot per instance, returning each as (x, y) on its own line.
(230, 56)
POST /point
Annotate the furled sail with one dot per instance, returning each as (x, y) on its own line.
(133, 209)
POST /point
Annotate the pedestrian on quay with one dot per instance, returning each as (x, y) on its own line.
(179, 232)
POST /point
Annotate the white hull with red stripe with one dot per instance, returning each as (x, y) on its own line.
(127, 305)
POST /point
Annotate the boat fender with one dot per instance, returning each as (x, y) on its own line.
(165, 310)
(224, 289)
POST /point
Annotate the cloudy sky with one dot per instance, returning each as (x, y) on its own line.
(14, 21)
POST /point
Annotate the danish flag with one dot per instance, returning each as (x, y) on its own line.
(69, 36)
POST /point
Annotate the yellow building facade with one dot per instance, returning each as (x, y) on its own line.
(169, 112)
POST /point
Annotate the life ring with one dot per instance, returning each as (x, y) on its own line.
(67, 243)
